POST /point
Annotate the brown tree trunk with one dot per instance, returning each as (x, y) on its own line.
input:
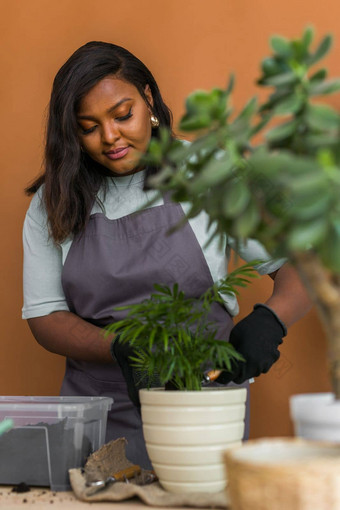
(324, 290)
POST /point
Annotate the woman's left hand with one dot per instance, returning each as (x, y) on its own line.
(257, 338)
(258, 335)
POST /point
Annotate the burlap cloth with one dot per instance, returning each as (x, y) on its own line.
(111, 458)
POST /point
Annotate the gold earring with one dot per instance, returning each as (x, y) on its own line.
(154, 121)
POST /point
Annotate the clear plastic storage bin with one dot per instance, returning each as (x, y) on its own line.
(50, 436)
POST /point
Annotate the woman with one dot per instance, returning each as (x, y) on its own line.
(86, 252)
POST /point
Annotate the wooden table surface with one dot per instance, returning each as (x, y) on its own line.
(43, 498)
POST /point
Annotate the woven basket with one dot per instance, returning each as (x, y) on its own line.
(284, 474)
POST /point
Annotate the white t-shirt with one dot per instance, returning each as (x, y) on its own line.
(44, 259)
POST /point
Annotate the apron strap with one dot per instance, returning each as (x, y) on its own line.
(167, 198)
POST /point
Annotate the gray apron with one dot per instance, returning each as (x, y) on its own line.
(115, 263)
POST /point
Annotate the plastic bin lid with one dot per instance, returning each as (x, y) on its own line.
(53, 402)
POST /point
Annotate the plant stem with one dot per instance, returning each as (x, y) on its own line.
(325, 292)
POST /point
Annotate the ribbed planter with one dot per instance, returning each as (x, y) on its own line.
(316, 416)
(284, 474)
(187, 431)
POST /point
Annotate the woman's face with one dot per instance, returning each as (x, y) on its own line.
(114, 124)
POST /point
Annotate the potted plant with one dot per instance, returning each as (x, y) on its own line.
(283, 190)
(187, 430)
(272, 172)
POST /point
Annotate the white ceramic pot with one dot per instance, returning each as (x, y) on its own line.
(186, 432)
(316, 416)
(284, 474)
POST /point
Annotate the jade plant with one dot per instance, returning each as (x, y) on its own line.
(271, 171)
(172, 340)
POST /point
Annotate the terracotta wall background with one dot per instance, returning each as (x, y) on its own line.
(187, 44)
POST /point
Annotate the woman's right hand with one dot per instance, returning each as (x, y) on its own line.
(135, 379)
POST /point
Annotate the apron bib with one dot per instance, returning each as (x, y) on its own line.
(115, 263)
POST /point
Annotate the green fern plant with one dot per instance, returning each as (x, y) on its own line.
(172, 336)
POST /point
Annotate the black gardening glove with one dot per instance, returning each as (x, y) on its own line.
(134, 378)
(257, 338)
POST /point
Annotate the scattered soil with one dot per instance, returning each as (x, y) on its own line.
(21, 487)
